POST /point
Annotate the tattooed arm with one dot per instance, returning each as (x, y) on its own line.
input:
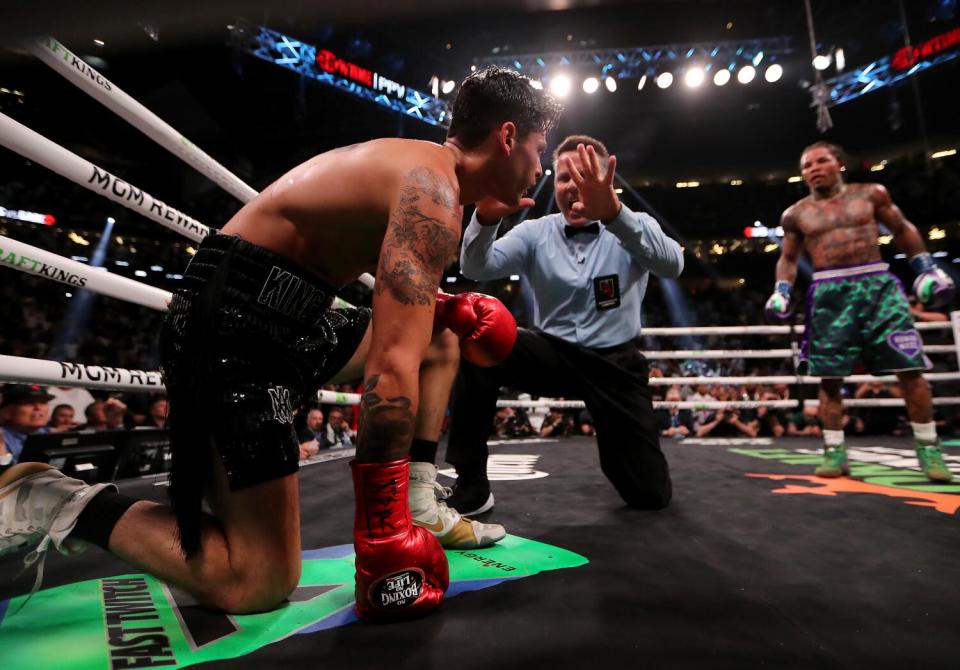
(792, 246)
(905, 234)
(421, 237)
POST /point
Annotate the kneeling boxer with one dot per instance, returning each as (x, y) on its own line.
(252, 329)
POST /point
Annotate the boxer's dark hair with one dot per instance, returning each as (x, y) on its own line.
(838, 152)
(493, 96)
(570, 142)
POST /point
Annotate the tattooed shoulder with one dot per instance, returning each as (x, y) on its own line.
(422, 181)
(421, 239)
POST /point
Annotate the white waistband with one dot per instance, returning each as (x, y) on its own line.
(851, 271)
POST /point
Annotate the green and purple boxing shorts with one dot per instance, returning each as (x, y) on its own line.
(856, 313)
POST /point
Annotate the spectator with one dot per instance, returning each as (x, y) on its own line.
(584, 423)
(157, 414)
(921, 314)
(805, 422)
(311, 436)
(24, 411)
(557, 424)
(96, 416)
(769, 422)
(726, 423)
(673, 422)
(115, 413)
(876, 420)
(509, 422)
(62, 419)
(338, 433)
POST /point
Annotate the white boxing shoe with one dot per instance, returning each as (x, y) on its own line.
(430, 512)
(40, 505)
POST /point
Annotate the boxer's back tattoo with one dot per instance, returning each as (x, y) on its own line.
(421, 238)
(386, 424)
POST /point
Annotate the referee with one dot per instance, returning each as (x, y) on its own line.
(588, 267)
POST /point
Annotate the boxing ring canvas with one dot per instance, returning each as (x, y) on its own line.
(756, 562)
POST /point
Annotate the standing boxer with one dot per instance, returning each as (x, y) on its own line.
(856, 309)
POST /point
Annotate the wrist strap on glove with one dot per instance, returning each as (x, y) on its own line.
(922, 263)
(783, 287)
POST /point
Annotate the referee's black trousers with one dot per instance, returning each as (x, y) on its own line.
(612, 382)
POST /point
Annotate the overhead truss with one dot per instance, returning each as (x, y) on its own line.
(325, 67)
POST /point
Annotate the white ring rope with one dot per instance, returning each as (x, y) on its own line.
(34, 370)
(792, 379)
(760, 353)
(727, 404)
(78, 275)
(760, 330)
(29, 144)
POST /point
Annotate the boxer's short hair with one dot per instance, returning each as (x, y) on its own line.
(495, 95)
(838, 152)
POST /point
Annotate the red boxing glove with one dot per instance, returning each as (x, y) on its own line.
(401, 568)
(486, 328)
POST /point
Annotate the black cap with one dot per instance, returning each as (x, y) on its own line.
(19, 394)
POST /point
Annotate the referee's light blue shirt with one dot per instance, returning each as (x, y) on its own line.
(561, 271)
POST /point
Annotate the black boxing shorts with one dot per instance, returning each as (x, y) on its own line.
(249, 335)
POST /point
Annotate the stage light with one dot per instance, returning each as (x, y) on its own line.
(591, 84)
(664, 79)
(537, 84)
(840, 59)
(773, 73)
(560, 85)
(99, 43)
(548, 172)
(821, 62)
(448, 86)
(642, 83)
(610, 83)
(694, 77)
(721, 77)
(746, 74)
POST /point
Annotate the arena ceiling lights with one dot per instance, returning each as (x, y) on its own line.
(693, 64)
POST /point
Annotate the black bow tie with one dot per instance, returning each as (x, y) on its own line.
(591, 228)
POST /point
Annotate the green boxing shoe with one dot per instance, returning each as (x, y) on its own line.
(834, 462)
(931, 461)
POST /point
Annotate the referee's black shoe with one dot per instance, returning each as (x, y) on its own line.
(471, 498)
